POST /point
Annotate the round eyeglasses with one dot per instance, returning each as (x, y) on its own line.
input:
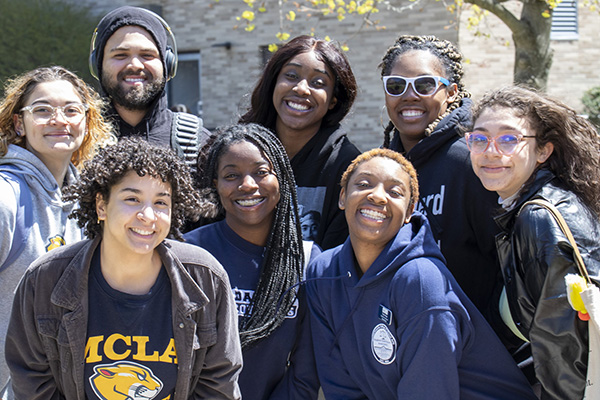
(43, 113)
(425, 85)
(505, 144)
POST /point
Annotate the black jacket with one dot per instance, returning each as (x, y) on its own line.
(318, 168)
(459, 209)
(534, 257)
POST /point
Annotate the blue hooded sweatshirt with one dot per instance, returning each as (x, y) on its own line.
(405, 329)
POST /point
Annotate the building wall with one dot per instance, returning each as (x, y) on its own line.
(228, 76)
(574, 69)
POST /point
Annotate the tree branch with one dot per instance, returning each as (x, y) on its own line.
(496, 8)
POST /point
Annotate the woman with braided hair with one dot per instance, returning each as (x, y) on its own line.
(245, 172)
(427, 104)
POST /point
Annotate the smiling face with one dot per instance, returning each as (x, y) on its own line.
(506, 174)
(303, 94)
(248, 190)
(132, 71)
(411, 113)
(58, 138)
(137, 215)
(376, 202)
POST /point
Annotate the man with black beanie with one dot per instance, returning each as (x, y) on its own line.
(131, 57)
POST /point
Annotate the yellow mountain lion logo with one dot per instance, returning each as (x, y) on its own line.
(124, 380)
(55, 242)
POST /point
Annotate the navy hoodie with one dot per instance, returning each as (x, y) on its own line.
(459, 209)
(405, 329)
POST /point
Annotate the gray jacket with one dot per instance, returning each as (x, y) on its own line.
(45, 346)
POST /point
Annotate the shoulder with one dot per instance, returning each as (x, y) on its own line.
(324, 264)
(8, 199)
(195, 257)
(425, 281)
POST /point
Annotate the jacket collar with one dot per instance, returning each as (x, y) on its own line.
(542, 177)
(71, 290)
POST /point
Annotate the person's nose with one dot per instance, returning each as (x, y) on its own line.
(378, 195)
(59, 116)
(302, 88)
(248, 184)
(136, 63)
(147, 213)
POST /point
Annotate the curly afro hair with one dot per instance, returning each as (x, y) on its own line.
(113, 162)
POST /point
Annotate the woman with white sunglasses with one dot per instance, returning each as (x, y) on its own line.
(525, 145)
(427, 104)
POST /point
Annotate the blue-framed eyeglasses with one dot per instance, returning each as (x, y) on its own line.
(425, 85)
(505, 144)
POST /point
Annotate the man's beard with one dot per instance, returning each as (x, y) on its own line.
(137, 98)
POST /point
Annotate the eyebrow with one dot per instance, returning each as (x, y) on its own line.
(124, 48)
(137, 191)
(44, 101)
(293, 64)
(257, 164)
(501, 128)
(370, 174)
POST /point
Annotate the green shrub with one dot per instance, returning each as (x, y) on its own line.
(39, 33)
(591, 103)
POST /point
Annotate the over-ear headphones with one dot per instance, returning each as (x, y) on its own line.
(170, 55)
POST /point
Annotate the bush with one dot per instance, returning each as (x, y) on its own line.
(591, 103)
(39, 33)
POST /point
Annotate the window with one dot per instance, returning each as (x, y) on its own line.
(184, 88)
(564, 21)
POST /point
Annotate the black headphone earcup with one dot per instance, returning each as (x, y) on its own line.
(93, 64)
(170, 63)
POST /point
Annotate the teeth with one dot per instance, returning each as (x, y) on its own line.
(134, 80)
(249, 203)
(142, 232)
(373, 215)
(412, 113)
(296, 106)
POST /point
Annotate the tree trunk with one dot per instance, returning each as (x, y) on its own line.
(533, 55)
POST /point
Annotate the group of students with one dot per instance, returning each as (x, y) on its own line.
(392, 289)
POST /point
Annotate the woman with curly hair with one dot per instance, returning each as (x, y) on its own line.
(50, 123)
(427, 104)
(525, 145)
(388, 319)
(246, 173)
(305, 91)
(126, 310)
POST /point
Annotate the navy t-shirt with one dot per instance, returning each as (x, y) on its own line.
(130, 349)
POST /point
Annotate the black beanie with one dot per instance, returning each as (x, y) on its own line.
(124, 16)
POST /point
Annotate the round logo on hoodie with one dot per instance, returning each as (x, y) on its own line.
(383, 344)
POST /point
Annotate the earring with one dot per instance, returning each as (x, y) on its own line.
(19, 133)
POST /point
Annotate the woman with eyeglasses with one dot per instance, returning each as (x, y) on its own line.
(427, 104)
(50, 124)
(525, 145)
(305, 91)
(388, 319)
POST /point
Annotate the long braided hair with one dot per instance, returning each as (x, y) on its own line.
(446, 53)
(283, 259)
